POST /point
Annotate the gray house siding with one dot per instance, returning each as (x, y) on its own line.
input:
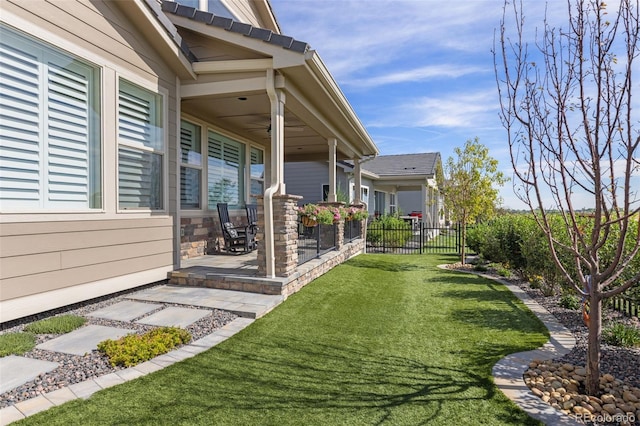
(306, 179)
(409, 201)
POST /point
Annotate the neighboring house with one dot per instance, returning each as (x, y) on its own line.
(124, 123)
(390, 184)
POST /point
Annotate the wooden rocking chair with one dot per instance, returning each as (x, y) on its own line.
(236, 238)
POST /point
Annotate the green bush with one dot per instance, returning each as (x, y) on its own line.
(136, 348)
(620, 334)
(570, 301)
(16, 343)
(390, 230)
(56, 325)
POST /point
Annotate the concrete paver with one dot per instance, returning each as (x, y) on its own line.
(60, 396)
(175, 316)
(34, 405)
(84, 339)
(126, 310)
(251, 305)
(16, 370)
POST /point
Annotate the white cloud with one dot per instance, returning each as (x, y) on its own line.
(415, 75)
(467, 110)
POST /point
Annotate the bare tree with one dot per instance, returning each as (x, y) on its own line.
(566, 103)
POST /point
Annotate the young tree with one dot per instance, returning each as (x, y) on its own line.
(469, 186)
(566, 104)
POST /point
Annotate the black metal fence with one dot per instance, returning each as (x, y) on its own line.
(352, 230)
(627, 305)
(417, 239)
(314, 241)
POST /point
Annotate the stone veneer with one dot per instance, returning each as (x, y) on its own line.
(200, 236)
(284, 286)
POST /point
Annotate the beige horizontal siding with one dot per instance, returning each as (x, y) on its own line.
(53, 255)
(19, 245)
(53, 280)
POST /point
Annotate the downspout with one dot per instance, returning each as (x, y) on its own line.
(276, 178)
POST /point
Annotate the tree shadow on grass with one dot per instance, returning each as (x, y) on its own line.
(294, 381)
(302, 375)
(394, 265)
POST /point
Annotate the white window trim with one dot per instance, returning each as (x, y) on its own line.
(249, 178)
(164, 93)
(62, 46)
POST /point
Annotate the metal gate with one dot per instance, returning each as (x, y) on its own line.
(413, 240)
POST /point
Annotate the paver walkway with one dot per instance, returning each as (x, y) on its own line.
(16, 370)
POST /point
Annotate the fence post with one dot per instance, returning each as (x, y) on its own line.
(421, 236)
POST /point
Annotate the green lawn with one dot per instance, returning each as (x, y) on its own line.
(382, 339)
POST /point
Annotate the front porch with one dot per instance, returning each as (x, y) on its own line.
(241, 272)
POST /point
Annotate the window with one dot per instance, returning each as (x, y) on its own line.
(364, 194)
(140, 149)
(257, 173)
(392, 203)
(225, 167)
(191, 165)
(379, 199)
(325, 192)
(50, 148)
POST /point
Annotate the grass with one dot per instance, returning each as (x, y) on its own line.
(56, 325)
(380, 339)
(16, 343)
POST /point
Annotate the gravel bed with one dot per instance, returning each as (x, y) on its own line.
(75, 368)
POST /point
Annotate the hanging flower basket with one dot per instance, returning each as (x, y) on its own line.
(308, 222)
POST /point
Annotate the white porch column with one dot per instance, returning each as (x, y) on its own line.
(276, 187)
(332, 197)
(424, 198)
(357, 174)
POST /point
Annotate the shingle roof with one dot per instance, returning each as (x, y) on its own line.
(403, 164)
(231, 25)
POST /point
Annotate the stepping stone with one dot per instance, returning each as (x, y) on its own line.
(175, 317)
(83, 340)
(125, 311)
(18, 370)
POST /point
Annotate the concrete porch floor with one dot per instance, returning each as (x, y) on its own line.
(223, 264)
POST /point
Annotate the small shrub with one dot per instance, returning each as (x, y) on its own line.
(536, 281)
(16, 343)
(569, 301)
(480, 268)
(620, 334)
(136, 348)
(56, 325)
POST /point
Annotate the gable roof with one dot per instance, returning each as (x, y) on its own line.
(404, 164)
(231, 25)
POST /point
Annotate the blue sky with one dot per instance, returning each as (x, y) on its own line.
(419, 73)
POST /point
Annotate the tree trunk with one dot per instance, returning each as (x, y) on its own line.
(463, 242)
(593, 348)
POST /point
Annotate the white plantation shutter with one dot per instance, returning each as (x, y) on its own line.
(190, 155)
(140, 154)
(225, 170)
(257, 173)
(20, 127)
(68, 132)
(49, 139)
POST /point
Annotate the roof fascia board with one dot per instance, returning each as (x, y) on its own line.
(326, 80)
(166, 46)
(281, 57)
(243, 85)
(239, 65)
